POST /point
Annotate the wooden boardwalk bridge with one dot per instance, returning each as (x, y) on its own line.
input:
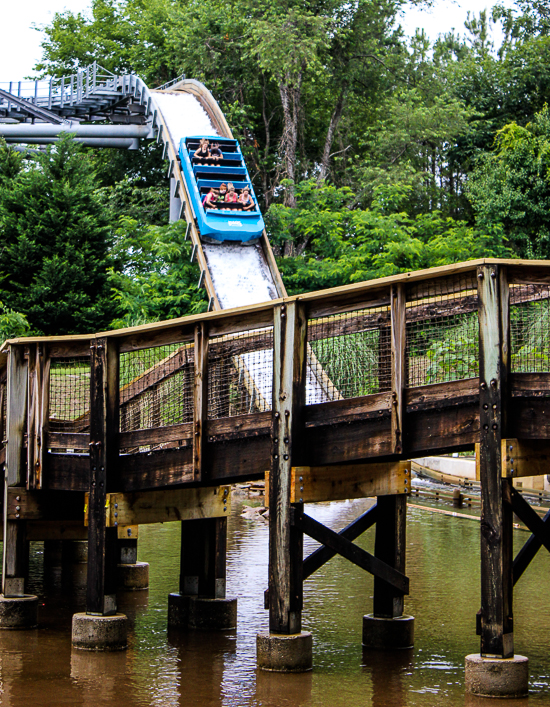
(330, 393)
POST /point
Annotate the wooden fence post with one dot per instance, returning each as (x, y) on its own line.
(285, 542)
(15, 553)
(102, 541)
(497, 638)
(200, 402)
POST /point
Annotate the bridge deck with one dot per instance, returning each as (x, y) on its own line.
(396, 362)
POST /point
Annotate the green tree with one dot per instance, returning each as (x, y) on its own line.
(156, 279)
(55, 237)
(511, 186)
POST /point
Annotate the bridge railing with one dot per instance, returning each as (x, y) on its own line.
(391, 369)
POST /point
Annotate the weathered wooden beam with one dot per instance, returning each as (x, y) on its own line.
(398, 347)
(200, 399)
(17, 408)
(285, 543)
(525, 457)
(101, 576)
(529, 550)
(15, 548)
(203, 557)
(528, 515)
(56, 530)
(44, 505)
(390, 548)
(397, 580)
(164, 505)
(351, 532)
(497, 636)
(314, 484)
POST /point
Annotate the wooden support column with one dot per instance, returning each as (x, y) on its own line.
(389, 547)
(37, 413)
(398, 344)
(102, 541)
(497, 638)
(286, 541)
(203, 558)
(15, 552)
(391, 520)
(200, 401)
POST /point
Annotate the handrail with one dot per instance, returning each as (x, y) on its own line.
(249, 314)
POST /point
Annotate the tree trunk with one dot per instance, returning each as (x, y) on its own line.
(334, 120)
(290, 90)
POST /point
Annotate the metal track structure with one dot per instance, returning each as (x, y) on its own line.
(37, 112)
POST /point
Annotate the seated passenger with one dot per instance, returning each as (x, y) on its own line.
(203, 153)
(231, 196)
(246, 201)
(222, 194)
(210, 200)
(215, 153)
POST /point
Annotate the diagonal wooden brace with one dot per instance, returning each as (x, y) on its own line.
(352, 531)
(540, 527)
(351, 552)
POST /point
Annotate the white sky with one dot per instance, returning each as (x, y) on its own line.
(20, 45)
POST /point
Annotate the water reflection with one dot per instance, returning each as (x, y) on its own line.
(195, 669)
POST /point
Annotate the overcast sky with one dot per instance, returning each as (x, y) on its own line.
(20, 45)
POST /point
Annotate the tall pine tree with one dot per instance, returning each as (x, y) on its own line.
(54, 238)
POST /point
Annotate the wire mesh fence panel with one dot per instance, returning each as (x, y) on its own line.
(156, 387)
(240, 373)
(69, 395)
(530, 328)
(349, 355)
(442, 330)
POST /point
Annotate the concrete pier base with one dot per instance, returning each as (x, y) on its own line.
(388, 634)
(100, 633)
(133, 577)
(202, 614)
(18, 612)
(497, 677)
(284, 653)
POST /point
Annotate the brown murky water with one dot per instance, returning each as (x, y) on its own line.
(196, 669)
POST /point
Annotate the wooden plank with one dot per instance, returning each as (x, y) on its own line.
(43, 412)
(33, 395)
(525, 457)
(349, 410)
(497, 637)
(438, 394)
(162, 506)
(398, 581)
(527, 515)
(225, 429)
(69, 440)
(289, 376)
(157, 436)
(390, 548)
(530, 385)
(56, 530)
(163, 467)
(398, 346)
(336, 483)
(44, 505)
(17, 405)
(67, 472)
(200, 400)
(351, 532)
